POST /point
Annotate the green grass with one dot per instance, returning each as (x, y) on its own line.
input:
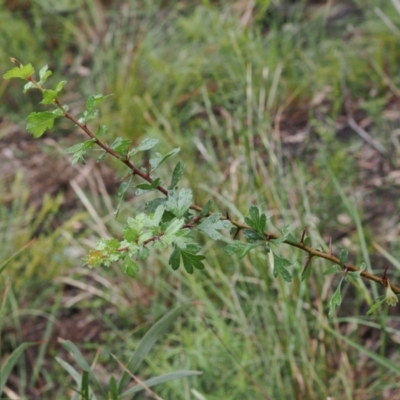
(204, 78)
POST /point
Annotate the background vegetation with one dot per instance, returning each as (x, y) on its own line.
(270, 102)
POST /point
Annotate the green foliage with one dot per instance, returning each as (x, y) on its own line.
(90, 111)
(78, 150)
(255, 220)
(336, 299)
(165, 75)
(176, 175)
(21, 72)
(189, 257)
(159, 159)
(7, 366)
(179, 201)
(88, 383)
(121, 146)
(171, 222)
(279, 265)
(39, 122)
(240, 248)
(212, 224)
(344, 255)
(145, 145)
(123, 188)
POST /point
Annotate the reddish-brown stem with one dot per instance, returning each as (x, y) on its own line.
(239, 225)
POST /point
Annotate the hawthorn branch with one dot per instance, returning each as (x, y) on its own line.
(239, 225)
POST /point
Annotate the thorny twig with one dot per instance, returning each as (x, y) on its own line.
(239, 225)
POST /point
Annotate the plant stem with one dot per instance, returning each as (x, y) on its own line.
(136, 171)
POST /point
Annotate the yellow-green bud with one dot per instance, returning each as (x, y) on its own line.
(391, 297)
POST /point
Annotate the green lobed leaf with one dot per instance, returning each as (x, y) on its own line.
(336, 299)
(79, 150)
(134, 227)
(28, 86)
(182, 238)
(212, 224)
(48, 96)
(91, 112)
(152, 205)
(88, 116)
(21, 72)
(143, 253)
(129, 267)
(146, 144)
(284, 235)
(280, 265)
(44, 73)
(240, 248)
(158, 159)
(106, 253)
(121, 146)
(101, 130)
(155, 218)
(189, 257)
(255, 220)
(155, 160)
(357, 274)
(60, 113)
(60, 86)
(94, 100)
(146, 187)
(191, 260)
(253, 236)
(102, 156)
(176, 175)
(174, 227)
(95, 258)
(175, 258)
(178, 202)
(38, 123)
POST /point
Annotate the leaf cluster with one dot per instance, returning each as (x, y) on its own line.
(168, 221)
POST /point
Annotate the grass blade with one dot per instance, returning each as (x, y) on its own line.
(7, 367)
(161, 379)
(148, 341)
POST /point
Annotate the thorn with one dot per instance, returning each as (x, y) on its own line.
(236, 233)
(303, 235)
(227, 216)
(384, 278)
(330, 246)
